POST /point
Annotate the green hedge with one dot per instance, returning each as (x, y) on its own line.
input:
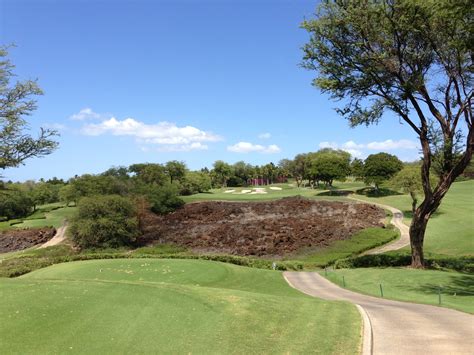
(463, 264)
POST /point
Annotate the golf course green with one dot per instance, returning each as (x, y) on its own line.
(162, 306)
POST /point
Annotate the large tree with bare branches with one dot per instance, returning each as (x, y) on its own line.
(414, 58)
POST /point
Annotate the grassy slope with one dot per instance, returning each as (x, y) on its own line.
(54, 218)
(168, 306)
(404, 284)
(451, 229)
(364, 240)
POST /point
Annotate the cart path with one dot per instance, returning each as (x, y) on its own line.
(397, 221)
(57, 238)
(393, 327)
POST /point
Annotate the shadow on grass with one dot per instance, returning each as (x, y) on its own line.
(372, 192)
(459, 286)
(335, 193)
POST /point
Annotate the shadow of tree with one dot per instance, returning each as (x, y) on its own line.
(335, 193)
(372, 192)
(459, 286)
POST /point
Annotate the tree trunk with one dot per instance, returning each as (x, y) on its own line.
(417, 236)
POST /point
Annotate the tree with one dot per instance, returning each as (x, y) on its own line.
(298, 168)
(409, 181)
(149, 173)
(16, 102)
(176, 170)
(380, 167)
(328, 165)
(222, 172)
(357, 168)
(414, 58)
(195, 182)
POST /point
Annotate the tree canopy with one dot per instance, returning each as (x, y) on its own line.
(411, 57)
(16, 102)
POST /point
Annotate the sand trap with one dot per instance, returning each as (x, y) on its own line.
(229, 191)
(259, 190)
(275, 188)
(245, 191)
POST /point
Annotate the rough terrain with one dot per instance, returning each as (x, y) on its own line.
(271, 228)
(19, 239)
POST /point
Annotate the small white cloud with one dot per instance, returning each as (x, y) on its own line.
(265, 135)
(391, 144)
(246, 147)
(87, 114)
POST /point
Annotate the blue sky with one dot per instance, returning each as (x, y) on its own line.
(152, 81)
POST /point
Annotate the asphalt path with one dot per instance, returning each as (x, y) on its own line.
(393, 327)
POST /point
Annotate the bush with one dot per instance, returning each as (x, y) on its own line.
(104, 221)
(164, 199)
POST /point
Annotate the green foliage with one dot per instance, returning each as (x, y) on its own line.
(104, 221)
(15, 204)
(176, 170)
(327, 165)
(16, 102)
(195, 182)
(164, 199)
(380, 167)
(400, 259)
(221, 173)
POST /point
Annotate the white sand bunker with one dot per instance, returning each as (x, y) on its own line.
(275, 188)
(245, 191)
(258, 190)
(229, 191)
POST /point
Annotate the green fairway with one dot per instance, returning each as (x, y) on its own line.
(168, 306)
(44, 216)
(287, 190)
(421, 286)
(451, 229)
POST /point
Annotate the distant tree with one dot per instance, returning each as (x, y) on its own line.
(414, 58)
(357, 168)
(119, 172)
(67, 194)
(284, 166)
(328, 165)
(176, 170)
(149, 173)
(298, 168)
(16, 102)
(409, 181)
(14, 203)
(381, 167)
(221, 172)
(195, 182)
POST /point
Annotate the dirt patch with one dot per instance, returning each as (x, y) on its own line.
(19, 239)
(271, 228)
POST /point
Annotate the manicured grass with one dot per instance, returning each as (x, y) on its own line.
(54, 219)
(168, 306)
(287, 191)
(364, 240)
(450, 230)
(420, 286)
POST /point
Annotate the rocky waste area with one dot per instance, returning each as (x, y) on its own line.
(270, 228)
(19, 239)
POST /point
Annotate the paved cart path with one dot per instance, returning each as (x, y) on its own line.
(393, 327)
(397, 221)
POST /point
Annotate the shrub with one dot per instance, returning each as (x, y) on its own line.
(164, 199)
(104, 221)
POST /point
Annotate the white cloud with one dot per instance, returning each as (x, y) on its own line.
(246, 147)
(88, 114)
(168, 135)
(391, 144)
(265, 135)
(357, 149)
